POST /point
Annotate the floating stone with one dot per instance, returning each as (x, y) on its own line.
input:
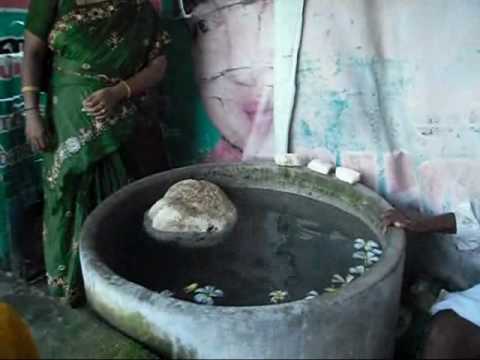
(193, 214)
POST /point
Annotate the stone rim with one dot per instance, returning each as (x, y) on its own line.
(393, 244)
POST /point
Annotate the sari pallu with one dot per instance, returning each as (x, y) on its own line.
(94, 47)
(16, 341)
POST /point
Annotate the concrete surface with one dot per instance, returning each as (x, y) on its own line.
(358, 322)
(64, 333)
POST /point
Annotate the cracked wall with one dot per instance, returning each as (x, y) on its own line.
(389, 88)
(385, 88)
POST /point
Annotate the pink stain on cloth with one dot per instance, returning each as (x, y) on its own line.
(399, 172)
(224, 152)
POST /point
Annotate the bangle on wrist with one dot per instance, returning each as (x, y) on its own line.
(29, 88)
(127, 87)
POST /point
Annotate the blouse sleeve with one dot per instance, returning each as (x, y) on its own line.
(41, 16)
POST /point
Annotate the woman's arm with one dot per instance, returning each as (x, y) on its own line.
(149, 76)
(35, 52)
(101, 103)
(444, 223)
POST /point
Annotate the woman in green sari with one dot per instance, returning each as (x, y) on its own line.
(99, 57)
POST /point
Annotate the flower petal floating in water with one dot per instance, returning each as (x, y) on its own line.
(167, 293)
(338, 279)
(371, 258)
(278, 296)
(210, 291)
(311, 295)
(359, 244)
(190, 288)
(357, 270)
(203, 299)
(359, 255)
(371, 245)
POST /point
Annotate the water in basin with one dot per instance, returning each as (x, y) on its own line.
(281, 242)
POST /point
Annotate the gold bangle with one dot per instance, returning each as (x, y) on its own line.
(129, 89)
(33, 108)
(30, 89)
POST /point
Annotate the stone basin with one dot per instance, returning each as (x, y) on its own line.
(124, 272)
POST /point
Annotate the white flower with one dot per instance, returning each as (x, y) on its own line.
(357, 270)
(210, 291)
(167, 293)
(370, 245)
(361, 255)
(369, 251)
(205, 295)
(311, 295)
(278, 296)
(72, 145)
(371, 258)
(339, 279)
(359, 244)
(203, 299)
(349, 278)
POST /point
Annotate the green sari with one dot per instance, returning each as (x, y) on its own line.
(94, 45)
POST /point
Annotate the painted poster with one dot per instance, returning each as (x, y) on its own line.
(233, 57)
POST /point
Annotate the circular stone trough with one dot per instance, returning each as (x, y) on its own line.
(357, 321)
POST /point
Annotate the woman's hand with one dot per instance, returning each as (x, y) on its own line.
(102, 103)
(35, 131)
(416, 222)
(398, 219)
